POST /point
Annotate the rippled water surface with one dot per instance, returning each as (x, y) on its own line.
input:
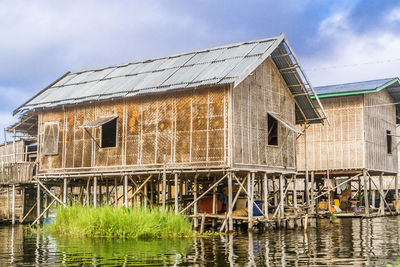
(352, 242)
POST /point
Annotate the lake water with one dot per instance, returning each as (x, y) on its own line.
(348, 242)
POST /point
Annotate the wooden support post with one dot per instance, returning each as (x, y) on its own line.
(100, 195)
(195, 221)
(126, 191)
(230, 219)
(8, 201)
(329, 191)
(164, 187)
(265, 183)
(107, 193)
(151, 193)
(312, 202)
(306, 184)
(281, 196)
(250, 189)
(65, 191)
(203, 221)
(13, 204)
(176, 192)
(274, 191)
(366, 204)
(214, 205)
(382, 201)
(94, 191)
(359, 190)
(294, 195)
(116, 192)
(396, 189)
(145, 195)
(38, 202)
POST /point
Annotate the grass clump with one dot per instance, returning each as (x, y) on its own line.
(108, 221)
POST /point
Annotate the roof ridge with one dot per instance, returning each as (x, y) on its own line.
(337, 84)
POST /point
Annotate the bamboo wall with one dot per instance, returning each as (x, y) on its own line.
(262, 92)
(355, 138)
(188, 129)
(379, 117)
(7, 152)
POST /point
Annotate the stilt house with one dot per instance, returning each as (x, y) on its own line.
(360, 139)
(197, 115)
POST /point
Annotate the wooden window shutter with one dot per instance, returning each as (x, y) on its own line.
(50, 138)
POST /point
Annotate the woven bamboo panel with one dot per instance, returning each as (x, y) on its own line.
(262, 92)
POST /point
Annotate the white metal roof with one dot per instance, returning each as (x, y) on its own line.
(228, 64)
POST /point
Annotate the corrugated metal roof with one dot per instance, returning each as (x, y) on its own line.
(354, 88)
(228, 64)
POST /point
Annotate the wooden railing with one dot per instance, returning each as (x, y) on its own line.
(21, 172)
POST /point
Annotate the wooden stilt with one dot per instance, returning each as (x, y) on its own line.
(329, 191)
(294, 195)
(214, 206)
(23, 201)
(164, 187)
(306, 184)
(100, 194)
(396, 189)
(8, 203)
(65, 191)
(126, 191)
(281, 196)
(274, 191)
(312, 202)
(145, 195)
(38, 200)
(13, 204)
(230, 219)
(366, 204)
(94, 192)
(195, 221)
(250, 199)
(116, 192)
(107, 193)
(176, 192)
(381, 196)
(151, 193)
(265, 183)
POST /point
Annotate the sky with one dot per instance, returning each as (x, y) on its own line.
(336, 41)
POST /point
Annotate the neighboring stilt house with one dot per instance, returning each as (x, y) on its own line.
(159, 128)
(360, 140)
(17, 191)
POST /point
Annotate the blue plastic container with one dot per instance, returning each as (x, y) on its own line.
(48, 220)
(256, 212)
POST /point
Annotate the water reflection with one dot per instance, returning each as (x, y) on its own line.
(354, 242)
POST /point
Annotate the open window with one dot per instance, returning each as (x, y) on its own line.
(50, 138)
(389, 142)
(108, 132)
(272, 131)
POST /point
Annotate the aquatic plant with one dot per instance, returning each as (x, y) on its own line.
(108, 221)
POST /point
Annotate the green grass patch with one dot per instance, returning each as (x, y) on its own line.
(108, 221)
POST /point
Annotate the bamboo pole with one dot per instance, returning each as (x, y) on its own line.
(8, 203)
(265, 180)
(45, 210)
(164, 185)
(28, 213)
(94, 192)
(312, 191)
(306, 185)
(65, 191)
(13, 204)
(176, 192)
(381, 202)
(250, 183)
(366, 204)
(230, 208)
(116, 192)
(38, 202)
(126, 191)
(195, 221)
(214, 205)
(281, 197)
(295, 195)
(396, 189)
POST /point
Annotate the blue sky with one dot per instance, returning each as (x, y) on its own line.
(335, 40)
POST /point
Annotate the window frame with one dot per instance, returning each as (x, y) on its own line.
(389, 142)
(116, 134)
(56, 150)
(277, 131)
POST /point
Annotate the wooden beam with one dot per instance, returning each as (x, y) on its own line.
(366, 204)
(176, 192)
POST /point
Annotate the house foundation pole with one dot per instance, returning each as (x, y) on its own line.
(13, 204)
(164, 187)
(312, 203)
(274, 191)
(250, 207)
(265, 195)
(366, 204)
(306, 184)
(195, 221)
(176, 192)
(116, 192)
(65, 191)
(38, 202)
(230, 219)
(382, 201)
(281, 197)
(145, 195)
(126, 191)
(95, 192)
(396, 189)
(8, 203)
(294, 195)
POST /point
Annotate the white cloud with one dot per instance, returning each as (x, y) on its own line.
(394, 15)
(354, 56)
